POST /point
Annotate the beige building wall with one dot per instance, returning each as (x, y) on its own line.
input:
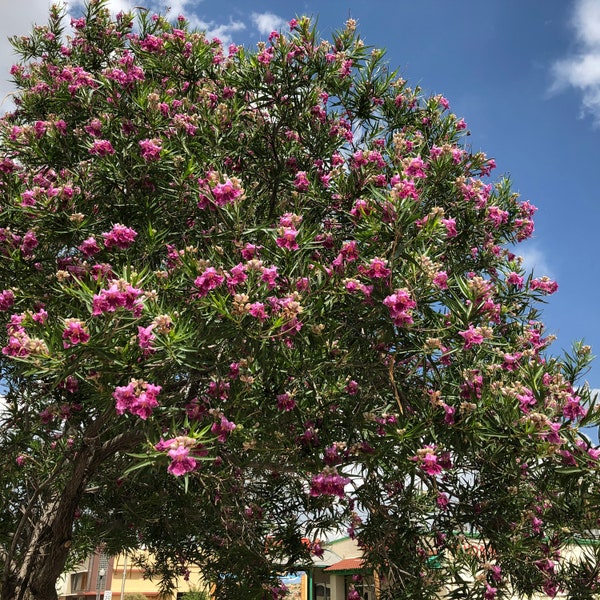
(114, 578)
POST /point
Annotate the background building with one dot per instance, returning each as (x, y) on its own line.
(103, 577)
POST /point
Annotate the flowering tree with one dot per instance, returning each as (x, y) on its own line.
(251, 297)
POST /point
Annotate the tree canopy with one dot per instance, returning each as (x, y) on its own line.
(253, 298)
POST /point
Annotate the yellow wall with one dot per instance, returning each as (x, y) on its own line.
(123, 577)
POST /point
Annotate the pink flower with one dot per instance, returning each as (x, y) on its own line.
(526, 400)
(497, 216)
(361, 208)
(472, 336)
(151, 43)
(428, 460)
(226, 193)
(443, 501)
(150, 149)
(348, 253)
(125, 397)
(89, 247)
(353, 594)
(400, 305)
(572, 409)
(145, 338)
(29, 243)
(119, 236)
(120, 294)
(181, 461)
(405, 188)
(285, 402)
(328, 483)
(550, 588)
(377, 269)
(209, 280)
(515, 279)
(346, 68)
(41, 316)
(146, 401)
(352, 388)
(544, 284)
(511, 361)
(287, 238)
(524, 229)
(137, 398)
(74, 333)
(179, 449)
(440, 280)
(450, 225)
(7, 299)
(222, 429)
(301, 182)
(94, 128)
(250, 251)
(18, 345)
(269, 276)
(257, 310)
(102, 148)
(237, 275)
(416, 168)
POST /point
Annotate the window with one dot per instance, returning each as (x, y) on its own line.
(322, 591)
(78, 582)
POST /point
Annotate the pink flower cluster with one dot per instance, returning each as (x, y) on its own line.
(181, 450)
(75, 332)
(287, 231)
(150, 149)
(544, 284)
(214, 192)
(377, 269)
(120, 294)
(223, 428)
(18, 341)
(328, 483)
(7, 299)
(137, 398)
(20, 345)
(429, 462)
(400, 305)
(208, 281)
(119, 236)
(285, 402)
(101, 148)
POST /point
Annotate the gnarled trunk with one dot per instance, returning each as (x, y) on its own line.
(32, 573)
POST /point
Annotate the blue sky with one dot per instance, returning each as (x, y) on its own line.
(524, 74)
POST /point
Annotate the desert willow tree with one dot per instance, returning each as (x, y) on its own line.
(250, 298)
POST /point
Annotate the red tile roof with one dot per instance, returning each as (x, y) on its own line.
(346, 564)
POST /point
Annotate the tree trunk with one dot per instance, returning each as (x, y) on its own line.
(31, 574)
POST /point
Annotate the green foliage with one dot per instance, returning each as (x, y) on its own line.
(196, 594)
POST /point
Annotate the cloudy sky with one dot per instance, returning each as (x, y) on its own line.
(525, 75)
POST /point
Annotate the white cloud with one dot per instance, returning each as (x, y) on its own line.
(17, 19)
(268, 22)
(175, 8)
(534, 260)
(581, 70)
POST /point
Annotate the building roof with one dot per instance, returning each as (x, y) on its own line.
(347, 564)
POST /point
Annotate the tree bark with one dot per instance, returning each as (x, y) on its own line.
(32, 574)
